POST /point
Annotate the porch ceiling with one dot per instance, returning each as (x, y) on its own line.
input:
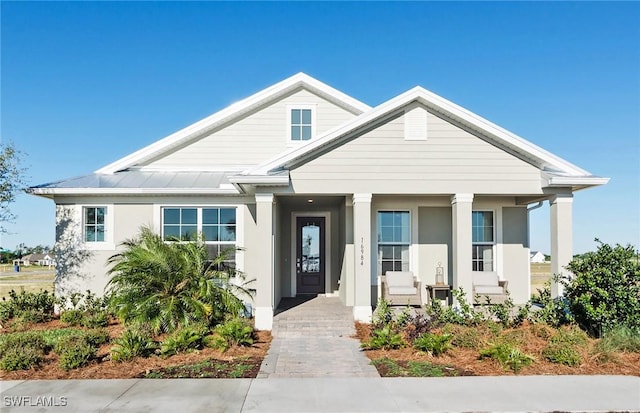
(302, 201)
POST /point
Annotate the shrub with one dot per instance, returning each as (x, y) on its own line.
(604, 291)
(20, 358)
(234, 332)
(554, 312)
(383, 315)
(464, 314)
(74, 351)
(21, 351)
(435, 344)
(72, 317)
(416, 325)
(28, 306)
(464, 337)
(508, 356)
(96, 319)
(97, 336)
(562, 353)
(187, 338)
(384, 338)
(132, 343)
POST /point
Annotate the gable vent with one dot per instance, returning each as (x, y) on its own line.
(415, 123)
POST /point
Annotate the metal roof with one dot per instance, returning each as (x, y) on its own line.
(142, 181)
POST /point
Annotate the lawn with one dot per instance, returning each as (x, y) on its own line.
(30, 278)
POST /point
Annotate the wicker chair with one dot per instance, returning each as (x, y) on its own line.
(401, 288)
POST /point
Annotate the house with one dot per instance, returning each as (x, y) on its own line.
(38, 259)
(325, 193)
(537, 257)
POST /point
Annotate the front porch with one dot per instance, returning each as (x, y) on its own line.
(339, 245)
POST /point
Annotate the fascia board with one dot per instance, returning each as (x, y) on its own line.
(132, 191)
(559, 181)
(229, 113)
(272, 180)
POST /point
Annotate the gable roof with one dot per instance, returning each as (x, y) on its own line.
(233, 112)
(558, 171)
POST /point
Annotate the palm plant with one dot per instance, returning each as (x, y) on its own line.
(167, 285)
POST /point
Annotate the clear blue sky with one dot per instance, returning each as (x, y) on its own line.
(84, 84)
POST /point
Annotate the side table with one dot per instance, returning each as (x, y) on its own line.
(435, 291)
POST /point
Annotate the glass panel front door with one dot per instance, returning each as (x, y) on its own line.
(310, 260)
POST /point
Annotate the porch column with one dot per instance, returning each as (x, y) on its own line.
(461, 209)
(264, 277)
(561, 237)
(362, 243)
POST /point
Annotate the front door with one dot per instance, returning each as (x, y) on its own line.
(310, 258)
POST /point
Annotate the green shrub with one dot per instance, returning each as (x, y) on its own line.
(74, 351)
(96, 319)
(562, 353)
(570, 335)
(20, 358)
(234, 332)
(21, 351)
(604, 291)
(384, 338)
(508, 356)
(72, 317)
(464, 314)
(132, 343)
(554, 312)
(28, 339)
(435, 344)
(185, 339)
(97, 337)
(383, 315)
(32, 307)
(464, 337)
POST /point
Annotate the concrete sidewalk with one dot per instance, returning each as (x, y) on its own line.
(459, 394)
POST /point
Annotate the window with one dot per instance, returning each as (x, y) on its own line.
(483, 240)
(301, 124)
(393, 241)
(94, 224)
(217, 226)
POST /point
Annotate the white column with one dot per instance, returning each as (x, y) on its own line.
(362, 270)
(561, 237)
(461, 209)
(264, 277)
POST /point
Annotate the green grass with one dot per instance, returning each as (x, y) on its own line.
(207, 369)
(392, 368)
(25, 280)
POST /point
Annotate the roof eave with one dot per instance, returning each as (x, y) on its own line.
(50, 192)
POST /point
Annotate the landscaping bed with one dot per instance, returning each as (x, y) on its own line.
(461, 361)
(237, 361)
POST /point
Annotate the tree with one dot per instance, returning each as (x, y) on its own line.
(12, 180)
(170, 284)
(604, 290)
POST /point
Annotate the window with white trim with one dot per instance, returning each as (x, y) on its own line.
(301, 124)
(94, 223)
(393, 241)
(216, 224)
(483, 240)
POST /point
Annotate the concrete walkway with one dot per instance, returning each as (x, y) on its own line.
(313, 338)
(451, 394)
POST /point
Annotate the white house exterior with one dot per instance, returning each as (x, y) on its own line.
(324, 193)
(537, 257)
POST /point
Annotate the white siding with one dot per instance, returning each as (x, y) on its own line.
(450, 161)
(255, 138)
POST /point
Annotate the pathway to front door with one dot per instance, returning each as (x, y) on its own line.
(313, 338)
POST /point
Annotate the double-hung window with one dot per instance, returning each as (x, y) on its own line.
(393, 241)
(216, 224)
(483, 240)
(94, 223)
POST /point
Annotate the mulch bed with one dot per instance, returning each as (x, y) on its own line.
(467, 360)
(103, 368)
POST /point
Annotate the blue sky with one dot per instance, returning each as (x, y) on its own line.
(86, 83)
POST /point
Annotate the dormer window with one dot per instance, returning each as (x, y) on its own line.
(301, 123)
